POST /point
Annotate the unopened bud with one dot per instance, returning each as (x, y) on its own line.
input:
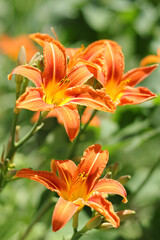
(115, 169)
(21, 60)
(124, 179)
(109, 168)
(108, 175)
(92, 223)
(40, 63)
(125, 214)
(35, 56)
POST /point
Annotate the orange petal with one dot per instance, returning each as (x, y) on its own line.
(112, 187)
(63, 212)
(150, 59)
(48, 179)
(41, 38)
(114, 62)
(108, 55)
(32, 73)
(79, 75)
(66, 169)
(71, 120)
(92, 164)
(104, 207)
(136, 95)
(32, 99)
(137, 75)
(88, 96)
(55, 62)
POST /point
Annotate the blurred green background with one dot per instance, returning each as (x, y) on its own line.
(132, 134)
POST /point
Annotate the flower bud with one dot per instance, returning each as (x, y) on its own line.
(125, 214)
(115, 169)
(108, 175)
(92, 223)
(124, 179)
(35, 56)
(21, 60)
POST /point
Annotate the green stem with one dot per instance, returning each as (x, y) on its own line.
(11, 143)
(150, 173)
(40, 214)
(77, 235)
(82, 130)
(75, 221)
(30, 133)
(14, 146)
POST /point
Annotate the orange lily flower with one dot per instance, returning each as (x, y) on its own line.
(108, 69)
(11, 46)
(78, 186)
(60, 88)
(151, 59)
(119, 86)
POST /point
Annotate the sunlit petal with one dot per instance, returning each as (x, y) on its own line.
(32, 99)
(70, 118)
(104, 207)
(79, 75)
(55, 63)
(63, 212)
(110, 186)
(150, 59)
(137, 75)
(136, 95)
(92, 164)
(66, 169)
(96, 99)
(41, 38)
(32, 73)
(48, 179)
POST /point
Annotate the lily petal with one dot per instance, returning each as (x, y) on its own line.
(110, 186)
(79, 75)
(150, 59)
(92, 164)
(136, 95)
(41, 38)
(66, 169)
(32, 73)
(114, 63)
(48, 179)
(104, 207)
(71, 120)
(137, 75)
(88, 96)
(32, 99)
(55, 63)
(63, 212)
(108, 56)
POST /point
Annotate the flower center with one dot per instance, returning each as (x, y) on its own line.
(115, 90)
(79, 187)
(56, 92)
